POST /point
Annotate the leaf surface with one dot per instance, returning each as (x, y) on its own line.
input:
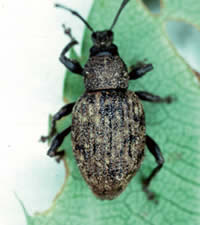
(182, 10)
(176, 127)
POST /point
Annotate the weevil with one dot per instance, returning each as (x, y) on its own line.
(108, 123)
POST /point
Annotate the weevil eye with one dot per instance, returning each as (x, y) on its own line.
(109, 33)
(94, 35)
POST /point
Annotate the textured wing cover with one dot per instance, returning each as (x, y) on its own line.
(108, 137)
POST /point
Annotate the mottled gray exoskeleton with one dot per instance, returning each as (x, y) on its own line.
(108, 123)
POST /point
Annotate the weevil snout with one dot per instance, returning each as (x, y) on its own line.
(102, 38)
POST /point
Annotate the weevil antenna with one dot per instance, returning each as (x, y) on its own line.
(118, 13)
(76, 14)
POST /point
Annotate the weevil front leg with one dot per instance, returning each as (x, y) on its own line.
(64, 111)
(139, 70)
(156, 152)
(146, 96)
(72, 65)
(56, 143)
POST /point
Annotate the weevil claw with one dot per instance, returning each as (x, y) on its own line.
(44, 138)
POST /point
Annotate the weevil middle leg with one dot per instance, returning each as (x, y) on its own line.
(64, 111)
(146, 96)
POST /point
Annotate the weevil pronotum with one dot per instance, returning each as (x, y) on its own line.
(108, 124)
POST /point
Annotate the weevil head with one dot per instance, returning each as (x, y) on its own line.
(102, 39)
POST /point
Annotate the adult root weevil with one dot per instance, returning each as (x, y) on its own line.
(108, 124)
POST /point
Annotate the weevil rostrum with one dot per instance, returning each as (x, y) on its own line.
(108, 123)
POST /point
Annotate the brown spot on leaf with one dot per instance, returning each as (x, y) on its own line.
(197, 74)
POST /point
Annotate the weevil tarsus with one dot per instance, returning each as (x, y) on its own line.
(56, 143)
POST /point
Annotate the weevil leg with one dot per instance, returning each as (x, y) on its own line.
(146, 96)
(139, 70)
(59, 156)
(56, 143)
(156, 152)
(72, 65)
(64, 111)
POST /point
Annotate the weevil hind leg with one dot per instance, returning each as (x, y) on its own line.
(156, 152)
(64, 111)
(56, 143)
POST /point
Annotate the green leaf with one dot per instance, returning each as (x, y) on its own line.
(182, 10)
(175, 127)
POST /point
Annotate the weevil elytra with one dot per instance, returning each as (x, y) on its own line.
(108, 124)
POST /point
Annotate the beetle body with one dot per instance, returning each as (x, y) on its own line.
(108, 137)
(108, 124)
(108, 128)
